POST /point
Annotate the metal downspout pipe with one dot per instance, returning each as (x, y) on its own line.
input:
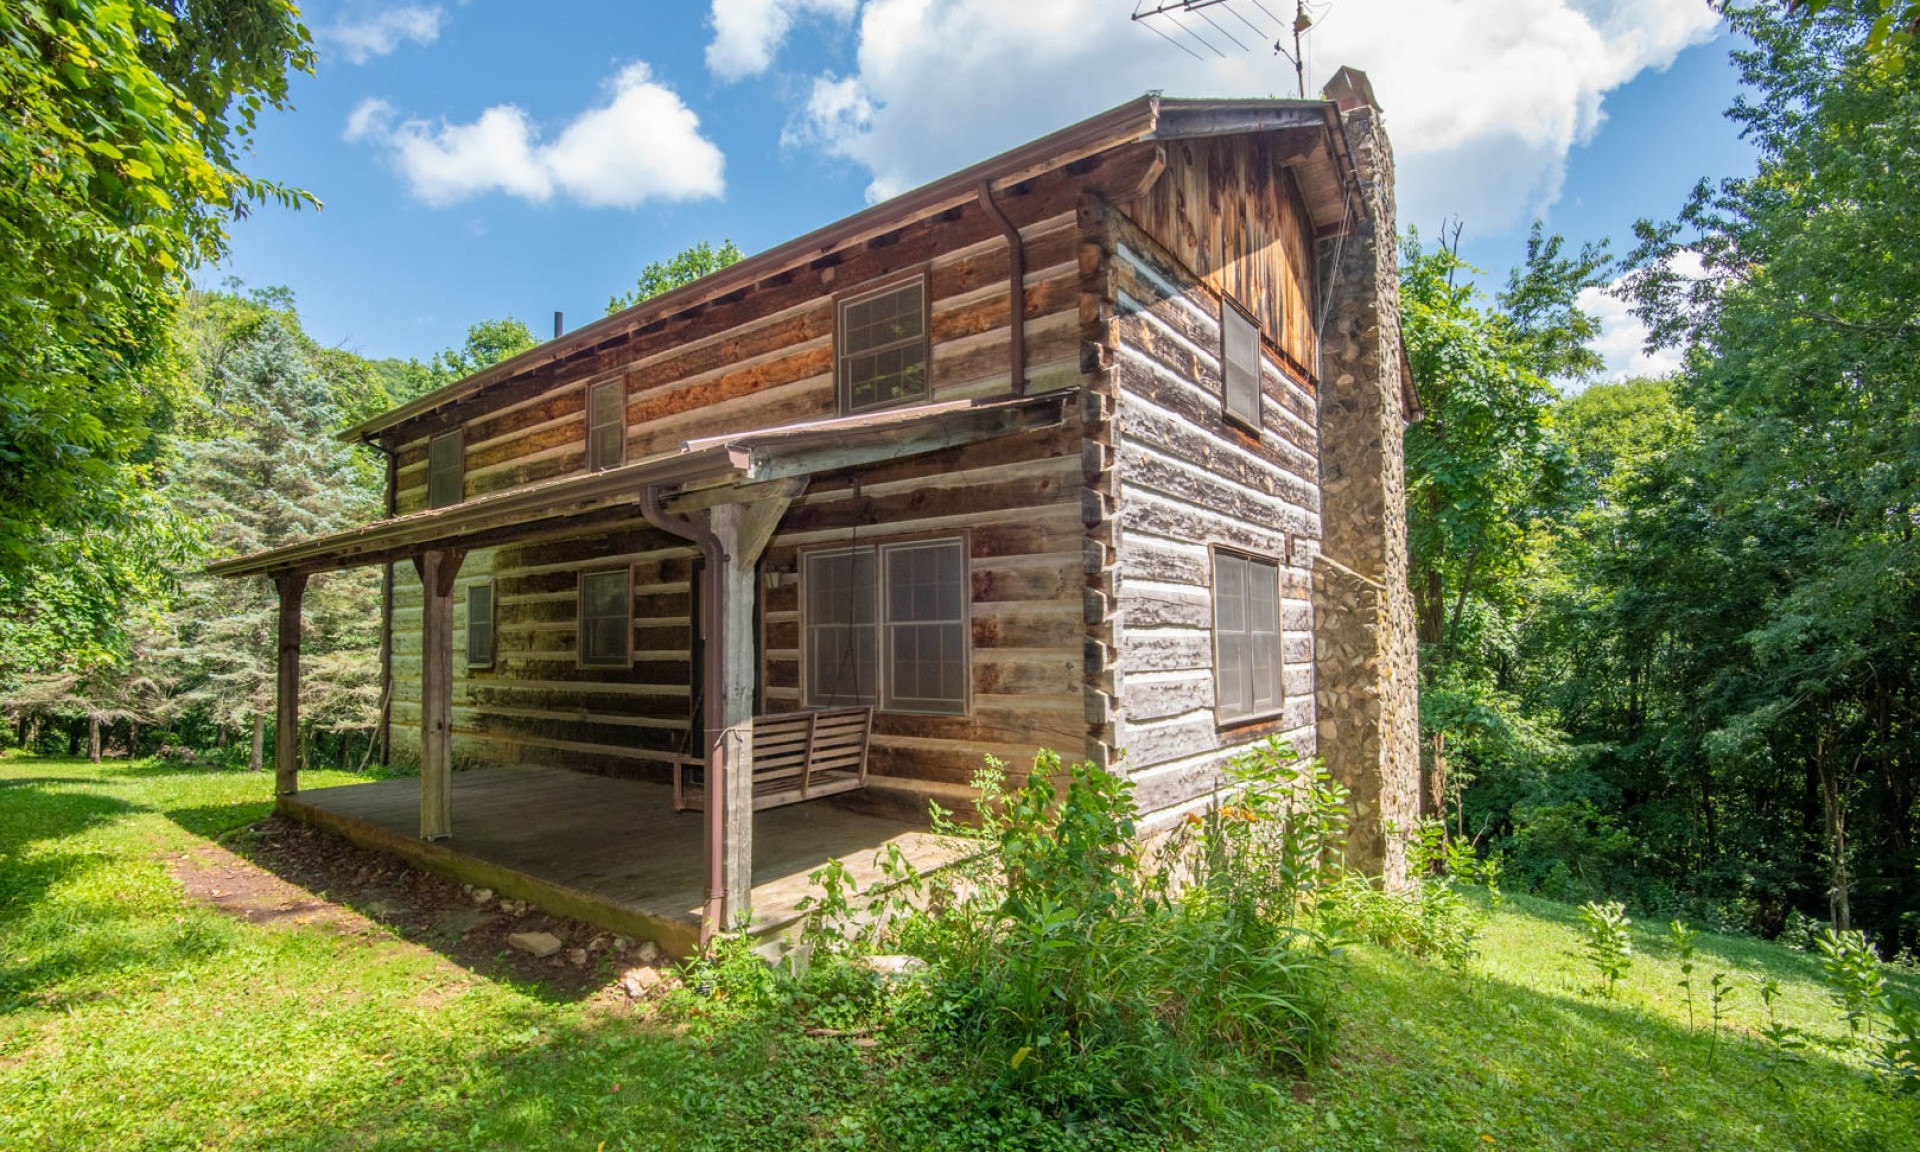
(1016, 288)
(713, 622)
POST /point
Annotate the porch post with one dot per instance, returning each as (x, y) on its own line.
(731, 527)
(731, 678)
(286, 727)
(438, 569)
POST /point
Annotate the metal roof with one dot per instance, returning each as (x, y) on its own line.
(782, 452)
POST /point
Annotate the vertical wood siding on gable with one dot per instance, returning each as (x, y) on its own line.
(1228, 210)
(1187, 479)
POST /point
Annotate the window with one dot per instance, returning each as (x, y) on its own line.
(887, 625)
(1240, 365)
(882, 347)
(480, 625)
(446, 469)
(1246, 636)
(606, 425)
(606, 619)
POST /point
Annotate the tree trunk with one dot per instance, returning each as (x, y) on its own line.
(133, 739)
(73, 739)
(257, 758)
(93, 739)
(1834, 801)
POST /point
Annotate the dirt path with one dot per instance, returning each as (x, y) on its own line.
(283, 873)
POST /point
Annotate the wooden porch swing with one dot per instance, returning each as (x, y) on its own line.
(796, 756)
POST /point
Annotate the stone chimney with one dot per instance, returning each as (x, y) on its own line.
(1366, 656)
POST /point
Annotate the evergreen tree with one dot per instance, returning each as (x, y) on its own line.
(273, 476)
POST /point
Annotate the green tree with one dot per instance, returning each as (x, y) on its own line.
(120, 127)
(488, 342)
(273, 475)
(684, 268)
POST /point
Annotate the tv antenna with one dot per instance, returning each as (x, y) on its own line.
(1166, 18)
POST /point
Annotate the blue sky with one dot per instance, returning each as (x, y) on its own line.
(479, 159)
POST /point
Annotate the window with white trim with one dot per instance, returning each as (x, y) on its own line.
(887, 625)
(1240, 365)
(880, 342)
(1246, 636)
(446, 469)
(480, 625)
(606, 425)
(606, 618)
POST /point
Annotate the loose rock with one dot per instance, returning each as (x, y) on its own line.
(579, 957)
(540, 944)
(638, 983)
(893, 967)
(481, 895)
(650, 953)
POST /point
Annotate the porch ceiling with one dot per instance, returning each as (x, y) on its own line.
(749, 457)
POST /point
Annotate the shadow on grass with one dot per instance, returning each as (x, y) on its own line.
(282, 871)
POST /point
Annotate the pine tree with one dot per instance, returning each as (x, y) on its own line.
(274, 475)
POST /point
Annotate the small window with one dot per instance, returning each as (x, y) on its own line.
(480, 625)
(882, 346)
(606, 425)
(1246, 636)
(606, 619)
(887, 625)
(446, 469)
(1240, 365)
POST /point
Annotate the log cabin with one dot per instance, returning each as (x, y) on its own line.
(1094, 446)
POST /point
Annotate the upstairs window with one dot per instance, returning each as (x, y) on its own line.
(606, 619)
(1240, 365)
(881, 346)
(887, 625)
(480, 625)
(606, 425)
(446, 469)
(1246, 636)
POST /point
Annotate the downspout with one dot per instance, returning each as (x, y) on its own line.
(1016, 288)
(713, 620)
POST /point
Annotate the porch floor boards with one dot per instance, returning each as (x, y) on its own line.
(610, 852)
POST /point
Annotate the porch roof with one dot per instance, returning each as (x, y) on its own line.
(784, 452)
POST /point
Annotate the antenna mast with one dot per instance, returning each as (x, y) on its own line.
(1187, 24)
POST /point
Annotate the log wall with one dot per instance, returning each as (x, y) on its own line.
(757, 362)
(1185, 479)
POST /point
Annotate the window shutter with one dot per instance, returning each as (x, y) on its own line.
(446, 469)
(606, 425)
(1240, 365)
(480, 626)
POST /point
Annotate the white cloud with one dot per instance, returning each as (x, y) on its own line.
(1623, 338)
(381, 33)
(1484, 98)
(642, 144)
(746, 32)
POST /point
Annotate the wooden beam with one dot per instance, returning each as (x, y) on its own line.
(286, 731)
(732, 664)
(724, 492)
(438, 568)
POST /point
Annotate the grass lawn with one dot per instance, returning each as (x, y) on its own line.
(135, 1016)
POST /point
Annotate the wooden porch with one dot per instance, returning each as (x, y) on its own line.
(610, 852)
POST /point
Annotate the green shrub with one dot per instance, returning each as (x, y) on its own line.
(1606, 942)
